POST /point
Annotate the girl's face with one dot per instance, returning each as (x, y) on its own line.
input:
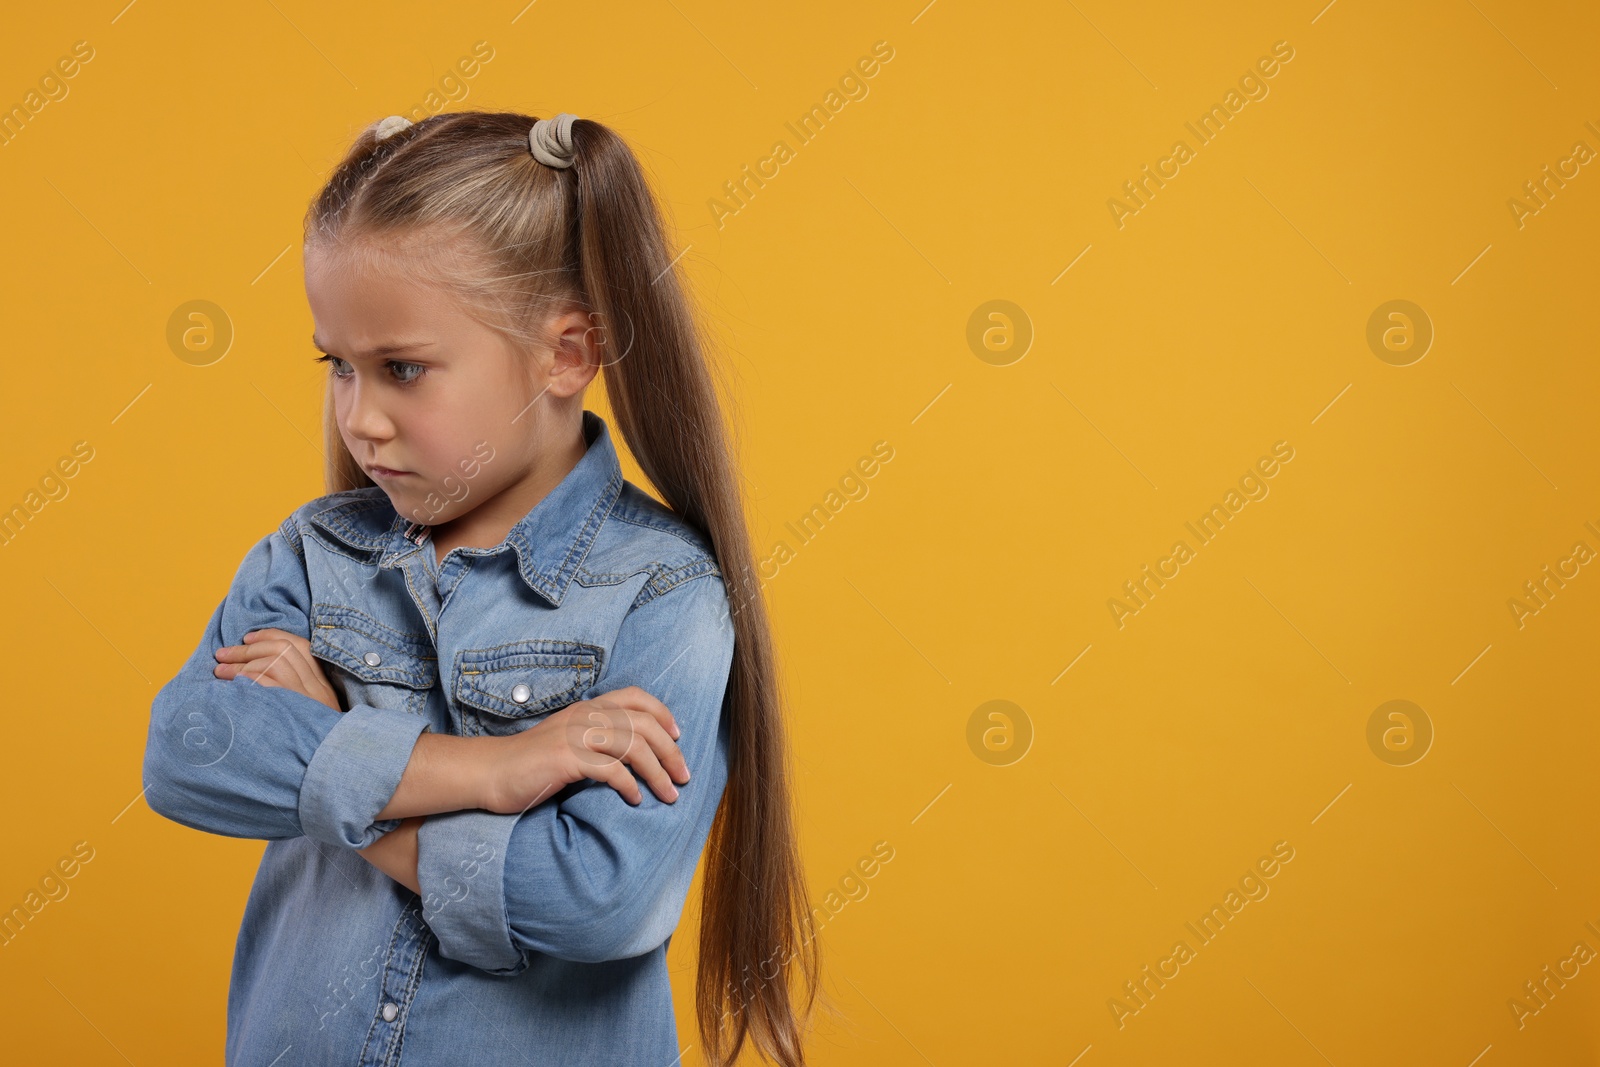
(441, 411)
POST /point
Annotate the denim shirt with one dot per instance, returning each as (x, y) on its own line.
(537, 938)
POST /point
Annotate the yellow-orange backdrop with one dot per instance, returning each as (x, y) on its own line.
(1154, 343)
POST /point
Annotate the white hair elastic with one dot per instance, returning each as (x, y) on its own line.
(391, 126)
(550, 140)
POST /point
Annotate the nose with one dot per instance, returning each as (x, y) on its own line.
(364, 417)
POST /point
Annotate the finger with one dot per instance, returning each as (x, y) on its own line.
(271, 642)
(618, 777)
(628, 723)
(255, 674)
(233, 660)
(269, 632)
(606, 733)
(297, 660)
(274, 662)
(588, 732)
(617, 735)
(642, 758)
(263, 655)
(667, 753)
(254, 650)
(288, 659)
(643, 701)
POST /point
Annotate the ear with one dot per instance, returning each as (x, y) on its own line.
(578, 352)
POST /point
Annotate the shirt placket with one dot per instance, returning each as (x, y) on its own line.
(445, 579)
(402, 974)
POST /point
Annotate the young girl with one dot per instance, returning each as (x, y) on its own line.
(430, 689)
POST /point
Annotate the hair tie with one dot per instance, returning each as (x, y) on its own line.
(550, 140)
(391, 126)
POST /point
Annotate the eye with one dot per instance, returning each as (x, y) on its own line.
(406, 379)
(404, 373)
(334, 363)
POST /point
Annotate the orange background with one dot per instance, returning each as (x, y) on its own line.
(1039, 860)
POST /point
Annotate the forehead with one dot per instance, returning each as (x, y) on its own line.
(360, 302)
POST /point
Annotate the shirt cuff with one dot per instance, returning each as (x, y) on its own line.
(461, 864)
(353, 774)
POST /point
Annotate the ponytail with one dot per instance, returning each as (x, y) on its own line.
(755, 934)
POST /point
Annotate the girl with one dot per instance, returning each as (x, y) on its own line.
(418, 684)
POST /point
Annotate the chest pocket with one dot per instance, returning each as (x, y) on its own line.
(500, 689)
(372, 663)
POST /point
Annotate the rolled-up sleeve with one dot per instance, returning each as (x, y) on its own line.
(587, 876)
(241, 759)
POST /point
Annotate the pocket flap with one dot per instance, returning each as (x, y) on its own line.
(525, 678)
(370, 650)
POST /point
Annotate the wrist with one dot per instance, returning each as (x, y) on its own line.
(446, 773)
(482, 768)
(463, 768)
(519, 771)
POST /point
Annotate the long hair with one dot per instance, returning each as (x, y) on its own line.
(538, 238)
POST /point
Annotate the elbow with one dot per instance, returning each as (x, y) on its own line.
(188, 733)
(596, 948)
(161, 775)
(602, 927)
(168, 791)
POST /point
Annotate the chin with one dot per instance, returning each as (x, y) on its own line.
(402, 504)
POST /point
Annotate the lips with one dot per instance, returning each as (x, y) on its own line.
(385, 472)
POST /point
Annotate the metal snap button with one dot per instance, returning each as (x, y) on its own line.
(520, 693)
(390, 1011)
(372, 659)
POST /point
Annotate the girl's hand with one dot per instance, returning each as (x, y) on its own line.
(277, 658)
(589, 739)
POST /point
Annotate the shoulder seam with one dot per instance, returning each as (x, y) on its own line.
(665, 581)
(290, 530)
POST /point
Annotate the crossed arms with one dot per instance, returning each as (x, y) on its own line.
(582, 874)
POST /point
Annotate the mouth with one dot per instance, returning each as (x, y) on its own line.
(385, 472)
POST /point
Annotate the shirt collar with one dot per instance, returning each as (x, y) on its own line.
(550, 541)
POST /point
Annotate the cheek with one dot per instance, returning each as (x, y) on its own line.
(444, 454)
(456, 477)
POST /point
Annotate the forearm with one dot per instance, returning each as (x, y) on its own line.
(446, 773)
(231, 757)
(584, 875)
(395, 853)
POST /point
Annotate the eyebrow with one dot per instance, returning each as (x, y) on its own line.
(381, 350)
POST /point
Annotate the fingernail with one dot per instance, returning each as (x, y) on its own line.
(674, 794)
